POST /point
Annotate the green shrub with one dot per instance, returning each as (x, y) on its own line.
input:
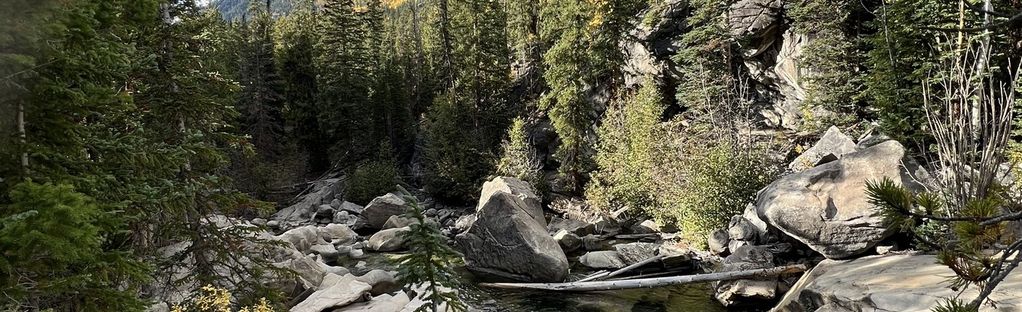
(371, 179)
(721, 180)
(54, 244)
(696, 177)
(519, 159)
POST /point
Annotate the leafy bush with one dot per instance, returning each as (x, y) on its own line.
(721, 180)
(53, 241)
(371, 179)
(677, 175)
(214, 299)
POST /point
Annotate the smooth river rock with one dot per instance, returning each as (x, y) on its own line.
(904, 282)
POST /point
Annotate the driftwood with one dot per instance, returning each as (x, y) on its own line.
(652, 282)
(594, 276)
(630, 267)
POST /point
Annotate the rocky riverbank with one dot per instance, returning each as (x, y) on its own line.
(817, 215)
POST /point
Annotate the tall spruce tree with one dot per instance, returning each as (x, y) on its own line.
(583, 54)
(467, 121)
(295, 39)
(346, 71)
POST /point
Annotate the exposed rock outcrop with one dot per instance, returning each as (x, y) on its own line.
(831, 146)
(887, 283)
(509, 239)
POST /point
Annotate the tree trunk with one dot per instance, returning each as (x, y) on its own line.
(22, 137)
(652, 282)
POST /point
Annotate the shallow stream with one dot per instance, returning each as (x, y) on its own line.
(694, 297)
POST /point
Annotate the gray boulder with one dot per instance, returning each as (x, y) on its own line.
(632, 253)
(826, 207)
(338, 295)
(739, 291)
(832, 146)
(718, 241)
(509, 239)
(382, 208)
(302, 238)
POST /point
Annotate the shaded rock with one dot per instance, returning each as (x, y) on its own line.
(322, 192)
(634, 252)
(675, 255)
(351, 207)
(325, 211)
(735, 292)
(357, 253)
(382, 208)
(569, 241)
(903, 282)
(532, 204)
(717, 241)
(388, 240)
(576, 227)
(763, 234)
(335, 296)
(398, 222)
(755, 18)
(309, 271)
(605, 259)
(826, 208)
(509, 239)
(594, 242)
(740, 229)
(832, 146)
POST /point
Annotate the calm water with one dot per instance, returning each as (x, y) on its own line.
(694, 297)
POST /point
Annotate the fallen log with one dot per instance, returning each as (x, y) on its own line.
(652, 282)
(630, 267)
(594, 276)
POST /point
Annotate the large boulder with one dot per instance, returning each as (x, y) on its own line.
(905, 282)
(302, 238)
(382, 208)
(741, 291)
(509, 238)
(632, 253)
(830, 147)
(826, 207)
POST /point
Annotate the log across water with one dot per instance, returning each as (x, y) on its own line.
(652, 282)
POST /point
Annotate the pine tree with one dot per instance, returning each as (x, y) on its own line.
(464, 126)
(295, 40)
(346, 72)
(429, 262)
(583, 53)
(261, 98)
